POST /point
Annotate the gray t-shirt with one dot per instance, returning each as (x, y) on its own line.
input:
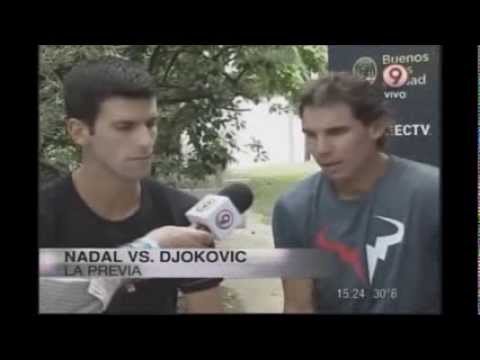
(384, 247)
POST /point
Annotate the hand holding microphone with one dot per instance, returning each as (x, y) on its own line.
(215, 216)
(221, 214)
(179, 237)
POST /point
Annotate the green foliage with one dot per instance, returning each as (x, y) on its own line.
(257, 148)
(200, 89)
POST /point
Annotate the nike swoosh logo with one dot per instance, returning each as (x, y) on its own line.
(347, 254)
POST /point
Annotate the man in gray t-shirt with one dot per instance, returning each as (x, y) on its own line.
(376, 217)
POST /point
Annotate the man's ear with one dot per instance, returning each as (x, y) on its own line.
(379, 128)
(78, 131)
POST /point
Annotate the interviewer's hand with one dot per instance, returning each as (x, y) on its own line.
(180, 237)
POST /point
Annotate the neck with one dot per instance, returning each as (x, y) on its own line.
(110, 197)
(364, 180)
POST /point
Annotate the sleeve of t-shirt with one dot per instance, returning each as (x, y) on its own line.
(429, 201)
(68, 295)
(46, 225)
(284, 227)
(76, 296)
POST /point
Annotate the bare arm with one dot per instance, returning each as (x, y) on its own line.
(204, 302)
(297, 295)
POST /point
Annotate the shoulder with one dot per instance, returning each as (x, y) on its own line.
(293, 207)
(54, 192)
(422, 178)
(169, 193)
(290, 217)
(419, 185)
(299, 195)
(52, 199)
(422, 171)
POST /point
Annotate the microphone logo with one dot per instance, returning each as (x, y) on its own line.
(224, 219)
(204, 205)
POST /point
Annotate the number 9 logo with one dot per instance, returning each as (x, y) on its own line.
(395, 75)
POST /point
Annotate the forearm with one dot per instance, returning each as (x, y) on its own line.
(298, 309)
(64, 295)
(298, 296)
(78, 295)
(204, 302)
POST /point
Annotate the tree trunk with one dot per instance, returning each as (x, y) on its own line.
(307, 153)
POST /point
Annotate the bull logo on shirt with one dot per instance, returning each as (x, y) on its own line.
(352, 256)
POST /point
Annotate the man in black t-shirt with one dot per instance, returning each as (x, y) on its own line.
(108, 201)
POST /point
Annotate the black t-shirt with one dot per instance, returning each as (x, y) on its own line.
(67, 222)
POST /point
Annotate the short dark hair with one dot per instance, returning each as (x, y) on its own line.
(90, 83)
(366, 101)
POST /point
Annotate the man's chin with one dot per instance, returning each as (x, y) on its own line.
(337, 177)
(333, 172)
(138, 172)
(134, 177)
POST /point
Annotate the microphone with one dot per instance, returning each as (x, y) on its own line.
(220, 214)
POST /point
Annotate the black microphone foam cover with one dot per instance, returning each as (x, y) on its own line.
(240, 195)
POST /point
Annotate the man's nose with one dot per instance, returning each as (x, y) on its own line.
(145, 137)
(322, 146)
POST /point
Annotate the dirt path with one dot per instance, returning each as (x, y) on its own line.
(252, 295)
